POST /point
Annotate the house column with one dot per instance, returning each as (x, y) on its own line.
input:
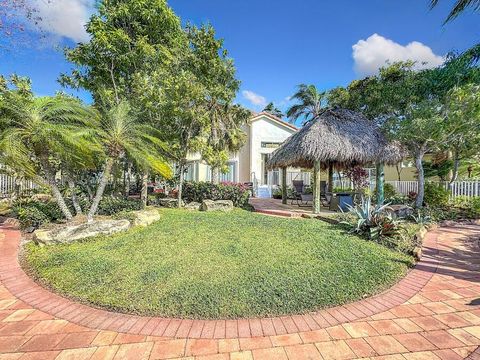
(284, 185)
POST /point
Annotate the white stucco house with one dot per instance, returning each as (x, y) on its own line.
(265, 133)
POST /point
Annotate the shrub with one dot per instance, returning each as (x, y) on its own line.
(436, 195)
(199, 191)
(111, 205)
(388, 192)
(31, 216)
(35, 213)
(277, 193)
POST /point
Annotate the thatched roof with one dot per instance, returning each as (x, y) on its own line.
(341, 136)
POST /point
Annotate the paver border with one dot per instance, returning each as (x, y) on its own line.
(27, 290)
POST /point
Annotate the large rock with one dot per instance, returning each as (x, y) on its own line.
(73, 233)
(218, 205)
(193, 206)
(168, 202)
(145, 217)
(400, 211)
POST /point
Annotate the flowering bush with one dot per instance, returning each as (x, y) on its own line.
(358, 176)
(199, 191)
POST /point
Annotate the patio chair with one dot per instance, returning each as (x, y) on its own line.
(299, 194)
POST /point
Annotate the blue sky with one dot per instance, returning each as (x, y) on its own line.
(277, 44)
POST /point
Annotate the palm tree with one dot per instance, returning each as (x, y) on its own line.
(310, 103)
(225, 135)
(459, 7)
(123, 136)
(41, 135)
(272, 109)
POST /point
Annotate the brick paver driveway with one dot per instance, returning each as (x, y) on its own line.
(434, 313)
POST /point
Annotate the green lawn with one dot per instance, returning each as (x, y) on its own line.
(220, 265)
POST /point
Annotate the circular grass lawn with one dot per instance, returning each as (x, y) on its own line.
(219, 265)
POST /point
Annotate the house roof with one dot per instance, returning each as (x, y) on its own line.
(274, 118)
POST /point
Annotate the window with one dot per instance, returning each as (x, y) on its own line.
(270, 145)
(230, 175)
(191, 170)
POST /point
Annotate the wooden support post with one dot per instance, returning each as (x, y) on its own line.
(330, 177)
(316, 190)
(284, 185)
(380, 184)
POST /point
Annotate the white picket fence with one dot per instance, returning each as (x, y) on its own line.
(466, 188)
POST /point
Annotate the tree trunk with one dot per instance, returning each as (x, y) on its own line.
(456, 164)
(316, 190)
(180, 184)
(144, 193)
(421, 179)
(330, 177)
(100, 189)
(76, 205)
(284, 185)
(50, 176)
(128, 175)
(215, 175)
(399, 171)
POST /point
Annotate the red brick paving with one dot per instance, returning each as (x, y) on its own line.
(433, 313)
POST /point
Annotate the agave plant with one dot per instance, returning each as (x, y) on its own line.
(421, 218)
(374, 221)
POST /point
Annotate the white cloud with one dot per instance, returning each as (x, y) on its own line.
(371, 54)
(65, 18)
(255, 99)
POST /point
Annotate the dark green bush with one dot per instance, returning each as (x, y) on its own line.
(31, 216)
(111, 205)
(436, 195)
(35, 213)
(199, 191)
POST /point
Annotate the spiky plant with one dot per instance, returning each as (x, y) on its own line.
(39, 135)
(459, 7)
(122, 135)
(310, 103)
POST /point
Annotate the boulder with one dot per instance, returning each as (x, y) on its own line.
(68, 234)
(218, 205)
(400, 211)
(45, 198)
(417, 252)
(168, 202)
(145, 217)
(193, 206)
(12, 222)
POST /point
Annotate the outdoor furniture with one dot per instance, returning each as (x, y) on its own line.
(299, 195)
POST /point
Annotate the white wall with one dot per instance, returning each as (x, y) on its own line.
(265, 130)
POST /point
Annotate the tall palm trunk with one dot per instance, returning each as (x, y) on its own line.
(76, 205)
(100, 189)
(52, 183)
(144, 192)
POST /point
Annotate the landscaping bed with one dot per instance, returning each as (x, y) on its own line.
(219, 265)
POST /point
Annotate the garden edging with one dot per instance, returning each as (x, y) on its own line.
(27, 290)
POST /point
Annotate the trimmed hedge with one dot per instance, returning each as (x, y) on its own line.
(199, 191)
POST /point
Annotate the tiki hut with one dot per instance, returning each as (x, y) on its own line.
(337, 138)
